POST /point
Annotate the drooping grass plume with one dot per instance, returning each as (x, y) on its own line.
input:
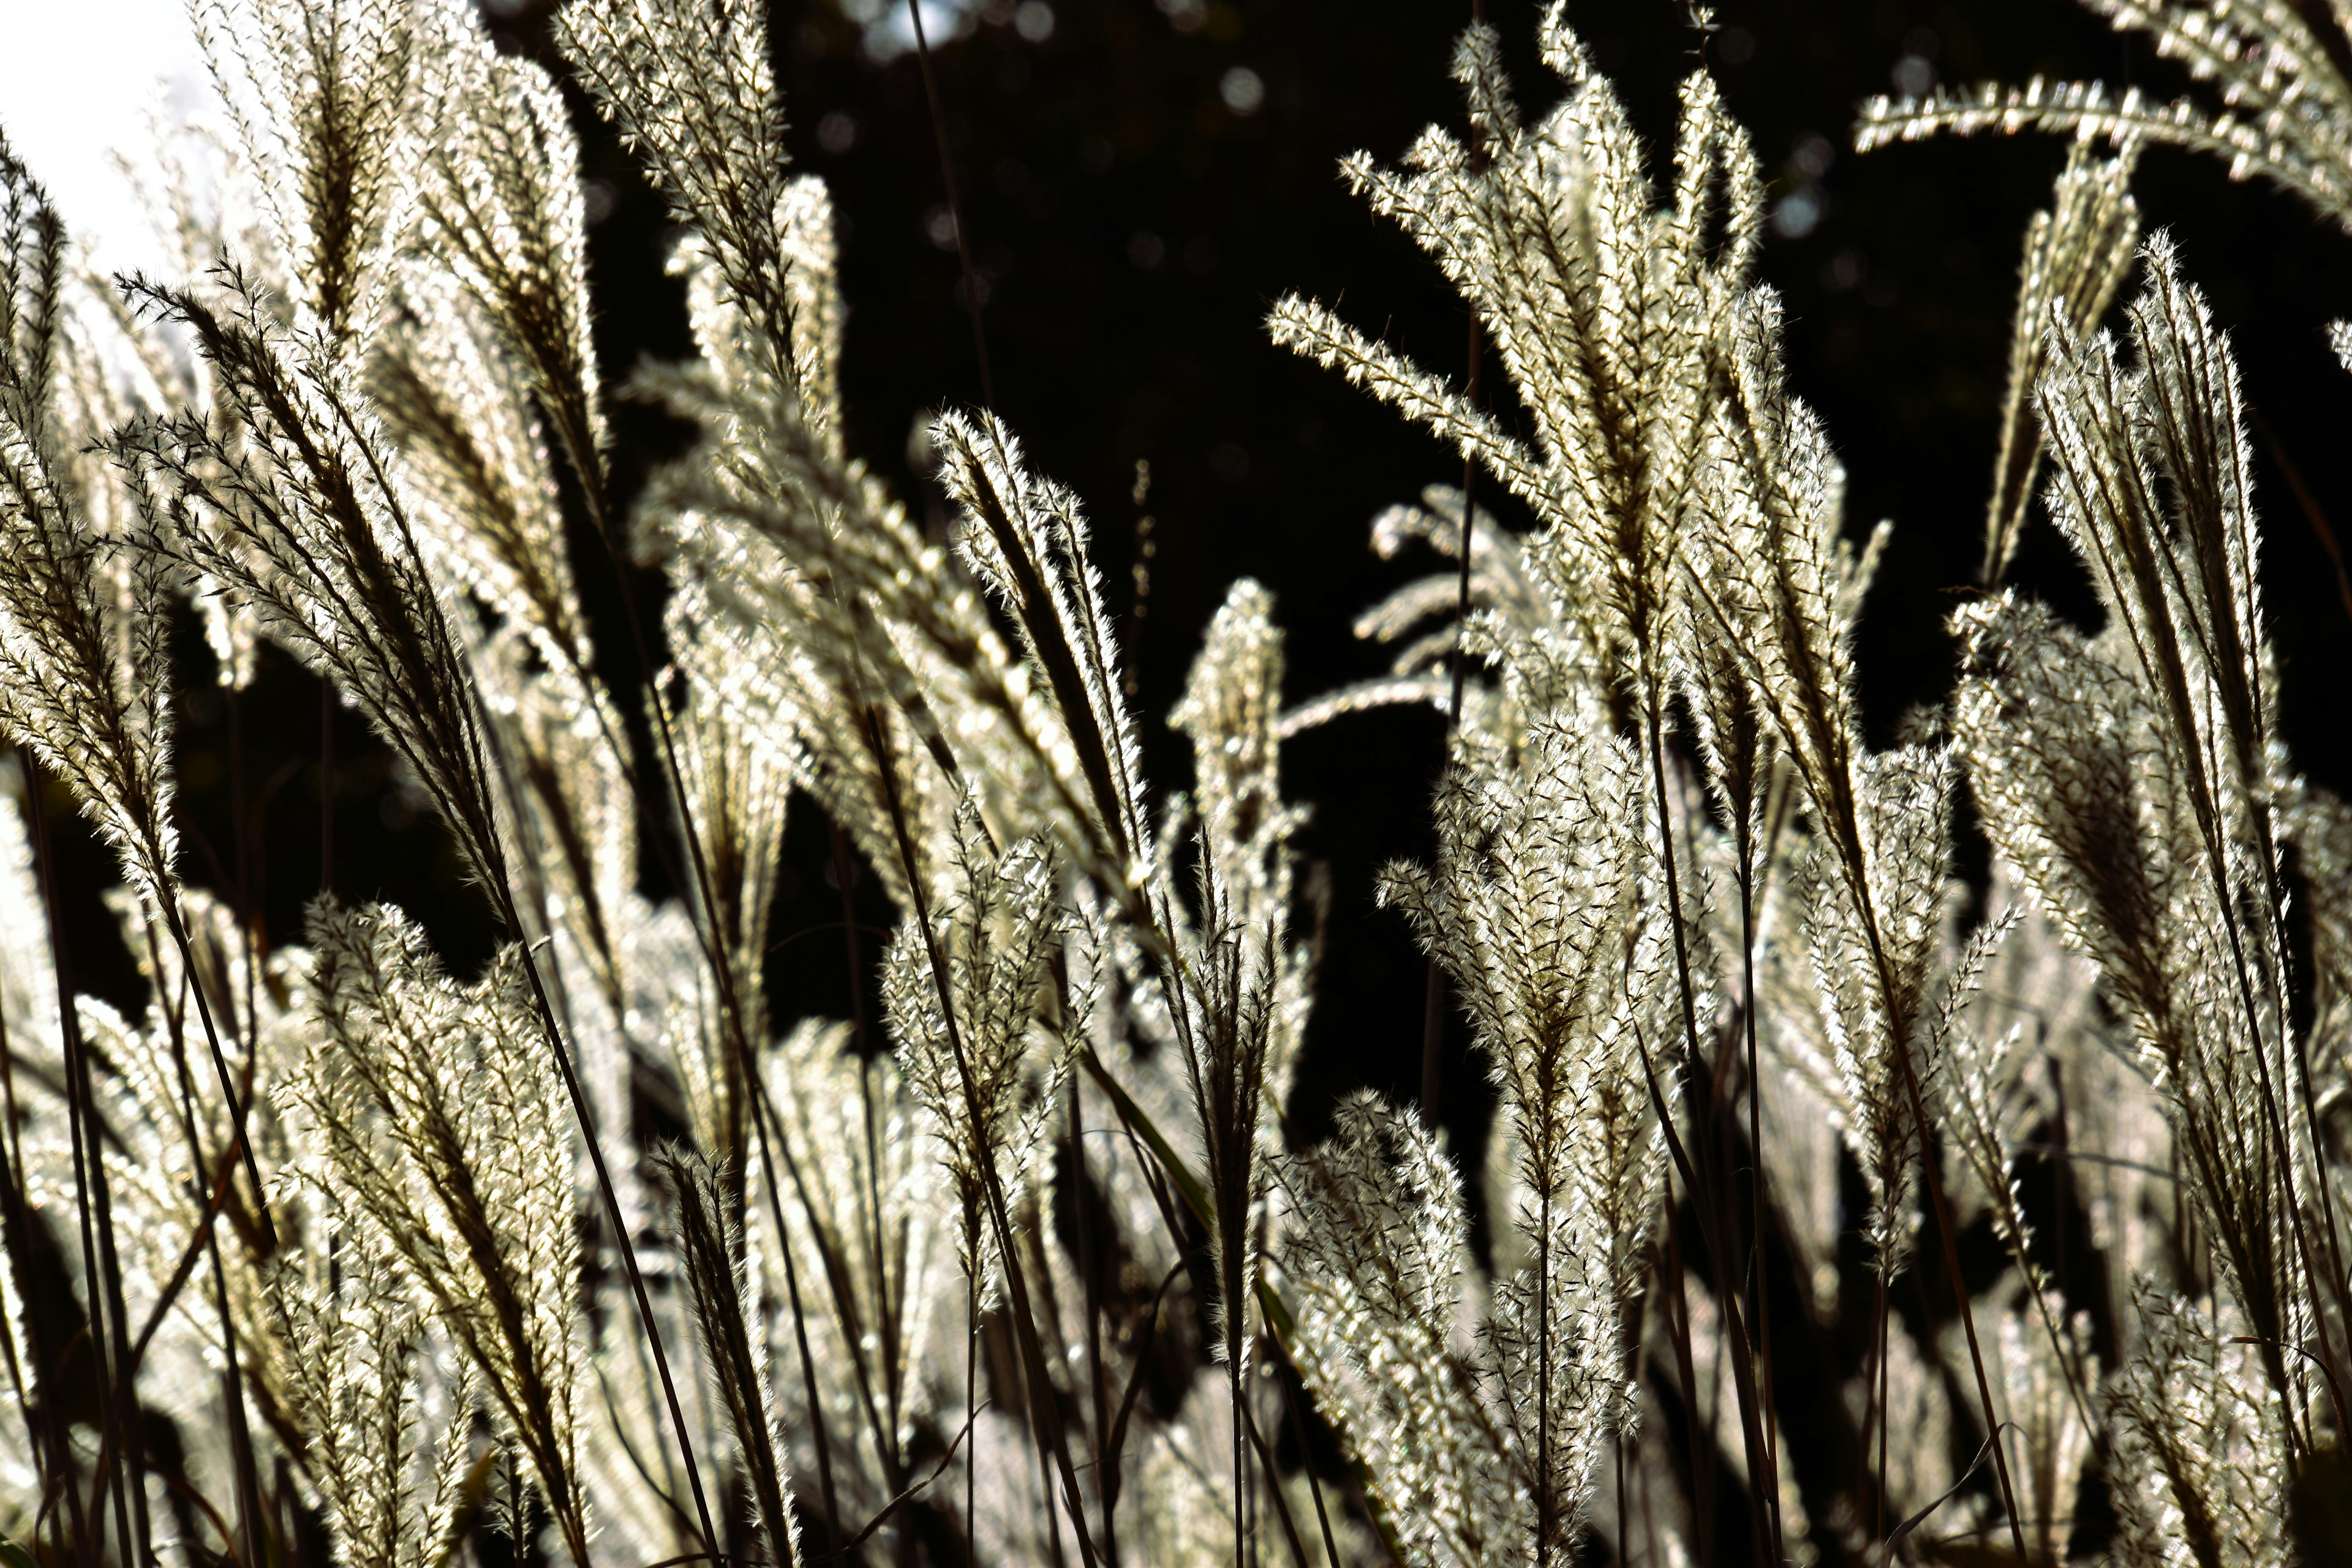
(441, 1125)
(326, 101)
(2077, 252)
(2138, 803)
(2285, 101)
(1379, 1259)
(285, 496)
(504, 206)
(84, 656)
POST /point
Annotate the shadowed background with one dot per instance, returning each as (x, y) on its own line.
(1139, 182)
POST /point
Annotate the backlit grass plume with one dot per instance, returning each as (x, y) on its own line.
(442, 1128)
(1930, 1152)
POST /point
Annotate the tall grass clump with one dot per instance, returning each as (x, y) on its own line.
(333, 1253)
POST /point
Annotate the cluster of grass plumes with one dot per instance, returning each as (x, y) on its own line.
(1836, 1210)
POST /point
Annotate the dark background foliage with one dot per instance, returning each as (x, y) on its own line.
(1133, 209)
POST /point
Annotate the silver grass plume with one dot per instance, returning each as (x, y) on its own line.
(171, 1141)
(84, 637)
(1905, 833)
(2180, 580)
(1240, 992)
(1231, 712)
(2083, 796)
(873, 1239)
(1502, 583)
(392, 1484)
(439, 1119)
(2285, 110)
(1535, 908)
(490, 523)
(2199, 1479)
(1025, 540)
(2077, 252)
(85, 682)
(289, 497)
(736, 774)
(1605, 307)
(28, 988)
(1226, 1021)
(1773, 573)
(504, 213)
(687, 82)
(845, 624)
(726, 1304)
(2170, 715)
(1028, 542)
(1979, 1081)
(1736, 744)
(1601, 304)
(458, 403)
(294, 502)
(1376, 1260)
(689, 85)
(2059, 1430)
(201, 204)
(326, 100)
(999, 929)
(1778, 593)
(27, 1014)
(2319, 825)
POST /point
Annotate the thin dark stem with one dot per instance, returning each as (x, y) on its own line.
(131, 1490)
(39, 1436)
(86, 1143)
(1543, 1379)
(1698, 1446)
(590, 479)
(1273, 1490)
(1046, 1486)
(1241, 1469)
(1759, 1311)
(240, 1432)
(955, 207)
(1944, 1231)
(808, 1370)
(1624, 1533)
(233, 1380)
(971, 1378)
(327, 786)
(844, 872)
(714, 952)
(176, 925)
(241, 1444)
(1090, 1268)
(1878, 1407)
